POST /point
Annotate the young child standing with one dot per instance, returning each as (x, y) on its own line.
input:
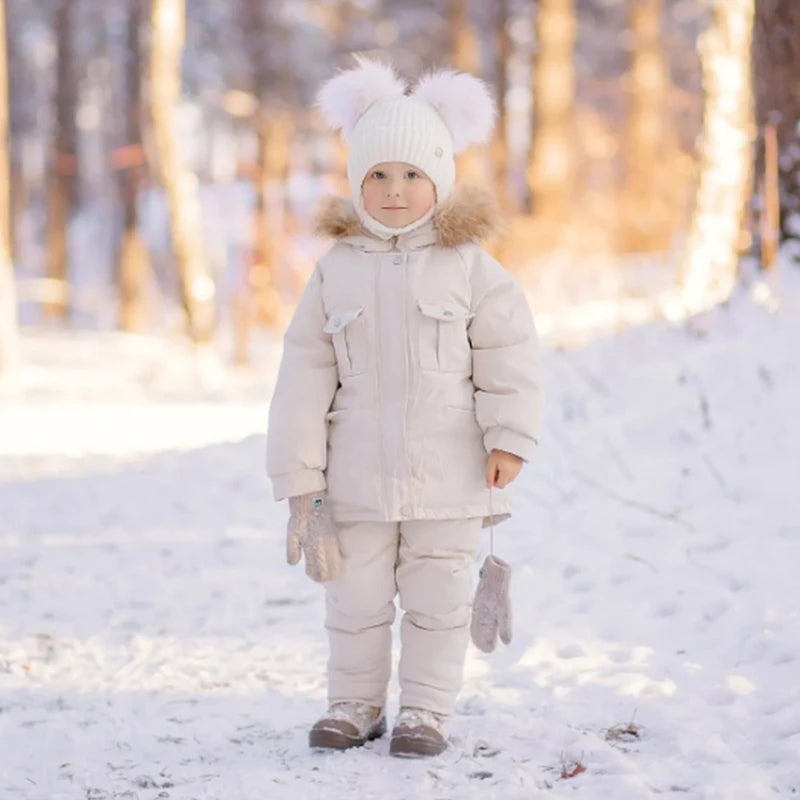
(406, 400)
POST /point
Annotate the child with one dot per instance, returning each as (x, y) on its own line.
(408, 385)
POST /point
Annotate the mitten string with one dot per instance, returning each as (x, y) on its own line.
(491, 524)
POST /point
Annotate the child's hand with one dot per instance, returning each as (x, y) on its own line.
(502, 468)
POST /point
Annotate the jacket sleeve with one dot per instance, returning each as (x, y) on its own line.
(505, 360)
(306, 383)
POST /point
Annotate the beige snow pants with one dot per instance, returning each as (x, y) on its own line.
(429, 564)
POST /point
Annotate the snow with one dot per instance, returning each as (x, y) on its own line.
(154, 644)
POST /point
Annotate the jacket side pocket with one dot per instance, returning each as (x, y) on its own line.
(348, 334)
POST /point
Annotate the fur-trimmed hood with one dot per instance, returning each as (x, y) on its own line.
(470, 214)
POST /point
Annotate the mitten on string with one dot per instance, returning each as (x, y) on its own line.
(491, 609)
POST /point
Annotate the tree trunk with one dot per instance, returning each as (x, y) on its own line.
(709, 264)
(647, 216)
(197, 286)
(463, 41)
(5, 172)
(274, 136)
(133, 263)
(776, 79)
(63, 168)
(274, 85)
(500, 138)
(9, 336)
(464, 56)
(9, 332)
(551, 163)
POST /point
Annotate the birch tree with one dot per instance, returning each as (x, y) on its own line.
(9, 337)
(709, 264)
(167, 30)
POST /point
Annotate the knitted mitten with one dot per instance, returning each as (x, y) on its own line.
(491, 609)
(312, 531)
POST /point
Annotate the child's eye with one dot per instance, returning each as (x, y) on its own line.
(378, 175)
(412, 174)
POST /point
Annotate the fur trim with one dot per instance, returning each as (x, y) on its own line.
(335, 217)
(470, 214)
(463, 102)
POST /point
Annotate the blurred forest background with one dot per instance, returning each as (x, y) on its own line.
(160, 159)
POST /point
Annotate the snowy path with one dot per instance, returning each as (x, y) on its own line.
(154, 645)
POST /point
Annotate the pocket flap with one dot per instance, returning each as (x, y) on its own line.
(340, 317)
(444, 310)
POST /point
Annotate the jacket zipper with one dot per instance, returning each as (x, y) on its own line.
(406, 500)
(379, 378)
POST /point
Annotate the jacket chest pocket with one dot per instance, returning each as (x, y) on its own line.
(443, 341)
(349, 336)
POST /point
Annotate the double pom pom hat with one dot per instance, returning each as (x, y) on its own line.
(384, 119)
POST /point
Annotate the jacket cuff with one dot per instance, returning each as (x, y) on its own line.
(498, 438)
(304, 481)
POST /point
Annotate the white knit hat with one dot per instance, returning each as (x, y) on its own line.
(381, 121)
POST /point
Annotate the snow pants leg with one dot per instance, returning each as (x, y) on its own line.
(360, 611)
(429, 562)
(434, 580)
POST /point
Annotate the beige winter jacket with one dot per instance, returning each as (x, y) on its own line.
(406, 362)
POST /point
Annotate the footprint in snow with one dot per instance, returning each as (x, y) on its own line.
(570, 651)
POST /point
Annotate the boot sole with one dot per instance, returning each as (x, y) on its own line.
(333, 739)
(414, 747)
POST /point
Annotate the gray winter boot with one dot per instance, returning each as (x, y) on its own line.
(347, 725)
(418, 732)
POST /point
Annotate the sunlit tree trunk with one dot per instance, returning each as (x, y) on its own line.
(197, 286)
(274, 136)
(551, 164)
(9, 333)
(5, 172)
(709, 265)
(646, 222)
(463, 41)
(274, 131)
(9, 338)
(344, 17)
(63, 166)
(776, 77)
(272, 86)
(20, 183)
(464, 57)
(133, 267)
(500, 138)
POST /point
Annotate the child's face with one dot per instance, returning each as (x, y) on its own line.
(397, 194)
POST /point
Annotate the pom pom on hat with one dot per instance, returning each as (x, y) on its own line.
(463, 102)
(344, 98)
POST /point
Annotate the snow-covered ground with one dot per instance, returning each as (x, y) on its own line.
(154, 644)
